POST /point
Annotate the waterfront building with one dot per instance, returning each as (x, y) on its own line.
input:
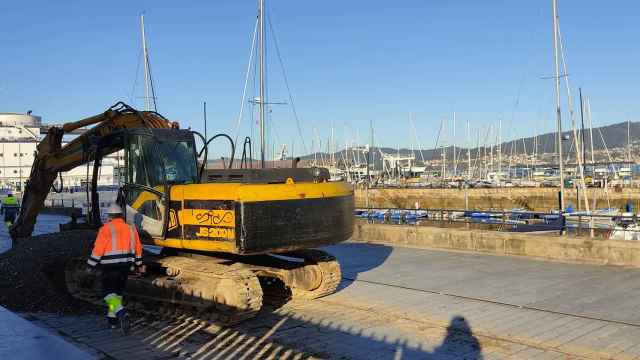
(19, 137)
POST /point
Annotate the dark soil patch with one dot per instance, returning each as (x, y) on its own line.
(32, 273)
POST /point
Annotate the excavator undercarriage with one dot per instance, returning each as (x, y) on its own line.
(227, 235)
(217, 288)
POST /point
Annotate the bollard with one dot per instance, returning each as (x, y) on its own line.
(579, 225)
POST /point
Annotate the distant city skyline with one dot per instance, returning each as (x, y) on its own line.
(347, 63)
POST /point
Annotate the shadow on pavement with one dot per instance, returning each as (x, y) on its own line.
(356, 258)
(308, 335)
(459, 341)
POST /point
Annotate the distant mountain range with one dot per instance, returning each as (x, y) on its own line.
(614, 136)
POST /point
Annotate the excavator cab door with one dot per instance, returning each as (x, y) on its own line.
(145, 187)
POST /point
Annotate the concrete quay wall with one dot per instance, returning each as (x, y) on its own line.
(541, 246)
(534, 199)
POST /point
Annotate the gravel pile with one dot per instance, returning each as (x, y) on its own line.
(32, 273)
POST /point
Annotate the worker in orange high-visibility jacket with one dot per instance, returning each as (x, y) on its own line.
(117, 251)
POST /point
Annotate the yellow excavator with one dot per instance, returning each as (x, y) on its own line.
(225, 233)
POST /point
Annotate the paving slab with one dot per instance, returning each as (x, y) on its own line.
(20, 339)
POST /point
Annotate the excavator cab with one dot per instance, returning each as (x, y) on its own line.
(156, 159)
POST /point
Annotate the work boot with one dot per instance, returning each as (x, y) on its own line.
(125, 321)
(113, 322)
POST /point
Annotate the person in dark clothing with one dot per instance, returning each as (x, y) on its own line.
(10, 209)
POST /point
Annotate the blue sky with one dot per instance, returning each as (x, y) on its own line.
(348, 62)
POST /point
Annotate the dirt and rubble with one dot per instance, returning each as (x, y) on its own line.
(32, 273)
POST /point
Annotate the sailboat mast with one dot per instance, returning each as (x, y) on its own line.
(583, 146)
(468, 152)
(558, 111)
(444, 151)
(491, 149)
(593, 162)
(455, 160)
(478, 154)
(147, 102)
(499, 147)
(371, 156)
(261, 103)
(629, 141)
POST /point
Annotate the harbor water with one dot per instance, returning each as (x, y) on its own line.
(45, 224)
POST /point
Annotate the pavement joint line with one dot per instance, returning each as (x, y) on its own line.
(507, 319)
(552, 341)
(499, 303)
(488, 313)
(564, 342)
(556, 324)
(545, 318)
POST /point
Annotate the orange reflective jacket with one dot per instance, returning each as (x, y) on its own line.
(117, 244)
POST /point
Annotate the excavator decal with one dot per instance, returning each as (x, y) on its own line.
(213, 217)
(213, 232)
(174, 225)
(173, 220)
(206, 224)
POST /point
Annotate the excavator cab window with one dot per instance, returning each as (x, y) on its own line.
(179, 162)
(146, 185)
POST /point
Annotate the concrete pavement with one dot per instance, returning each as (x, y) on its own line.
(20, 339)
(583, 310)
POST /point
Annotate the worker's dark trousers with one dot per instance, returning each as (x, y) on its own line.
(114, 280)
(10, 215)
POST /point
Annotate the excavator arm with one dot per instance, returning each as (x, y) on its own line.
(52, 157)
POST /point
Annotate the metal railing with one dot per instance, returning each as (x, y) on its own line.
(597, 226)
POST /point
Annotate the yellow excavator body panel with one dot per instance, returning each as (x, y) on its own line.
(245, 218)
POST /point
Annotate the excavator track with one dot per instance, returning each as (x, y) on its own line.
(178, 286)
(330, 274)
(215, 289)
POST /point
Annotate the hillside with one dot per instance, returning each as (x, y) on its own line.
(615, 137)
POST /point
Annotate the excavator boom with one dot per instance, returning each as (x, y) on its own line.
(52, 157)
